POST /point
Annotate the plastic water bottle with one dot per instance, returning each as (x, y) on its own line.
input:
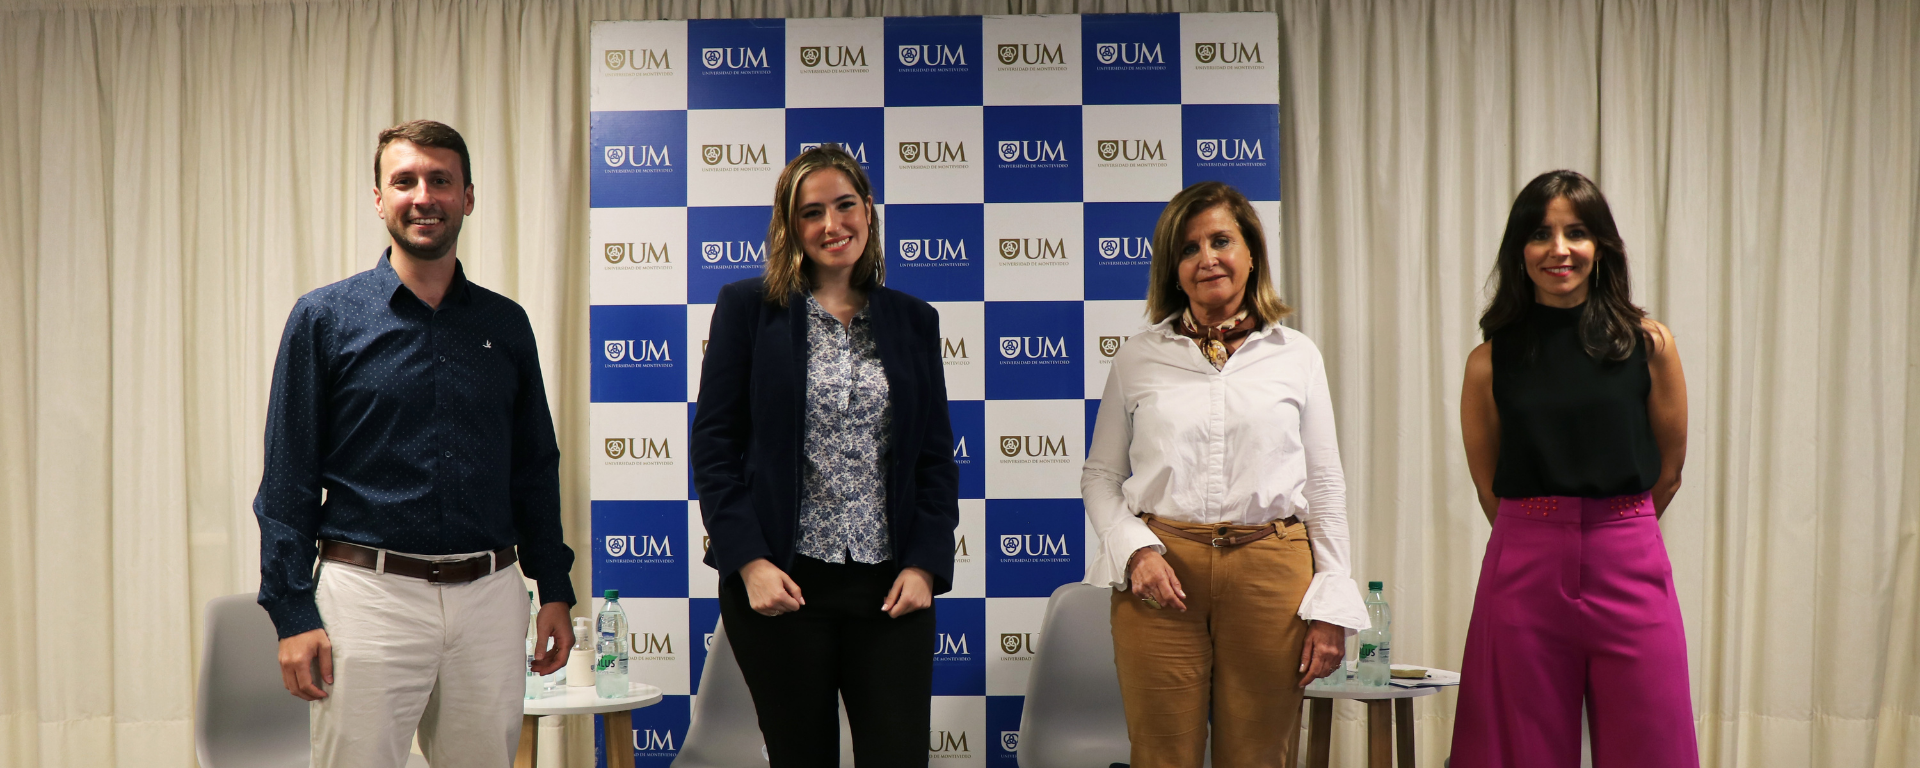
(534, 687)
(1376, 642)
(610, 666)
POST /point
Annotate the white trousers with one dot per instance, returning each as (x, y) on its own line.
(447, 660)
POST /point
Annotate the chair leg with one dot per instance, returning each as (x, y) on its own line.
(1319, 732)
(1379, 733)
(1403, 730)
(523, 757)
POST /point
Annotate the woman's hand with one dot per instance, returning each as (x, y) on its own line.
(1152, 578)
(912, 591)
(1325, 647)
(769, 590)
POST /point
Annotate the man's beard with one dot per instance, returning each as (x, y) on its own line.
(431, 252)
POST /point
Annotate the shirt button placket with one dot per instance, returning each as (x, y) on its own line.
(1216, 446)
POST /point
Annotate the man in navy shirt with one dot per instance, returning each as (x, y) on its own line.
(410, 450)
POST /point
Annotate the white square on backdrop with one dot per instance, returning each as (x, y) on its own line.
(934, 155)
(1229, 58)
(963, 348)
(734, 155)
(1030, 60)
(638, 66)
(957, 731)
(1013, 637)
(1108, 325)
(637, 451)
(836, 63)
(699, 322)
(639, 255)
(702, 579)
(1034, 448)
(1131, 152)
(970, 550)
(1034, 252)
(660, 651)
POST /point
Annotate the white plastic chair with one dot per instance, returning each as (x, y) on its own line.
(1073, 717)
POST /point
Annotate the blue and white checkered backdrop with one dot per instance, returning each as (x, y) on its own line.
(1018, 165)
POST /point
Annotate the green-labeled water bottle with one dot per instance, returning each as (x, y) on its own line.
(1376, 642)
(610, 665)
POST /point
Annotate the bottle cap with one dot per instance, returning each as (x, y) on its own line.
(1372, 586)
(613, 594)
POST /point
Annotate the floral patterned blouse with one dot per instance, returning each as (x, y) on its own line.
(842, 493)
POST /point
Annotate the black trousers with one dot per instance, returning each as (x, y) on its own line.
(841, 643)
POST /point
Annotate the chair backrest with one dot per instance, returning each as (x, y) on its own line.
(724, 732)
(243, 716)
(1073, 717)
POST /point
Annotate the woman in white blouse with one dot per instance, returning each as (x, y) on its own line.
(1215, 487)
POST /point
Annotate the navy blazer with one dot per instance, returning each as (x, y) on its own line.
(751, 421)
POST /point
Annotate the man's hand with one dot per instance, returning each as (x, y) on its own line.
(769, 590)
(1325, 647)
(912, 591)
(552, 625)
(297, 657)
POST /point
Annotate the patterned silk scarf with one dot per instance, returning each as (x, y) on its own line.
(1213, 339)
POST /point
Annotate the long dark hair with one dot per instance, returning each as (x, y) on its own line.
(788, 270)
(1610, 322)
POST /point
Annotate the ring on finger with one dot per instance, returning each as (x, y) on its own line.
(1151, 603)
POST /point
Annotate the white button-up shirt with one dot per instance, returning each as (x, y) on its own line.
(1247, 444)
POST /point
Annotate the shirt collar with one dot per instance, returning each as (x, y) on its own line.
(388, 281)
(814, 309)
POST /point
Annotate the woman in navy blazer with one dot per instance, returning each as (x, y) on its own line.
(823, 457)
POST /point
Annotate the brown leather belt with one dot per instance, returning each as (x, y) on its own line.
(1220, 537)
(434, 571)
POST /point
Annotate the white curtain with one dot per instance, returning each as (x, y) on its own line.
(173, 174)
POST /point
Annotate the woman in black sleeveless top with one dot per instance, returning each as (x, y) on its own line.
(1574, 414)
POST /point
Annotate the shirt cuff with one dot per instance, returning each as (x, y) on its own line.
(295, 614)
(1335, 598)
(556, 590)
(1125, 538)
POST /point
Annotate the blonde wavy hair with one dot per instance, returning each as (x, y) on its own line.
(788, 270)
(1164, 297)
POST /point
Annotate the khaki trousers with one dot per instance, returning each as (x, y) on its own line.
(1234, 654)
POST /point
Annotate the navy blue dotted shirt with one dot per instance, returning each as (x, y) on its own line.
(428, 431)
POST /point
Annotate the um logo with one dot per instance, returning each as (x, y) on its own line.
(641, 448)
(947, 741)
(734, 58)
(960, 448)
(1130, 248)
(651, 740)
(1010, 741)
(636, 59)
(1033, 545)
(1129, 53)
(1035, 446)
(933, 249)
(951, 645)
(1030, 54)
(933, 152)
(1227, 53)
(1034, 248)
(833, 56)
(932, 56)
(734, 154)
(953, 349)
(960, 548)
(733, 251)
(1130, 150)
(1016, 643)
(637, 350)
(1110, 345)
(639, 546)
(1032, 347)
(1228, 149)
(638, 253)
(635, 156)
(857, 149)
(1033, 152)
(650, 644)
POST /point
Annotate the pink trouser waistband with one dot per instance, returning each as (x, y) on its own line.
(1577, 509)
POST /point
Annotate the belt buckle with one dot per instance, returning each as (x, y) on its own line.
(433, 572)
(1220, 537)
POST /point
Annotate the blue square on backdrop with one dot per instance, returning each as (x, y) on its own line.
(736, 63)
(639, 351)
(703, 613)
(959, 658)
(1093, 412)
(1033, 154)
(1235, 143)
(640, 548)
(933, 61)
(1037, 545)
(658, 733)
(728, 244)
(1003, 730)
(1130, 58)
(969, 430)
(934, 251)
(639, 159)
(1119, 249)
(693, 409)
(1034, 350)
(859, 130)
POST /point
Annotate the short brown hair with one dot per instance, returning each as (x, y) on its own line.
(787, 269)
(1164, 298)
(426, 133)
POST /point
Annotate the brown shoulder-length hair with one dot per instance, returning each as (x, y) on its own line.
(1609, 323)
(1164, 297)
(788, 270)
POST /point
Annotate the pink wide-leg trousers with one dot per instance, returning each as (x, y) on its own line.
(1575, 604)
